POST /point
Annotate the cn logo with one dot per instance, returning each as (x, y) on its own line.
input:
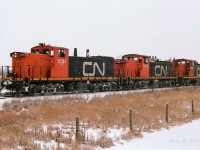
(161, 71)
(95, 65)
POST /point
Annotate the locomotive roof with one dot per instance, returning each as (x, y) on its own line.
(161, 61)
(94, 57)
(133, 55)
(49, 46)
(102, 56)
(182, 59)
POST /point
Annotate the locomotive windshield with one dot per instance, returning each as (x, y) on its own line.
(182, 62)
(37, 51)
(32, 51)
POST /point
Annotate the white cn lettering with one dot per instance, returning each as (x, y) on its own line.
(95, 65)
(160, 70)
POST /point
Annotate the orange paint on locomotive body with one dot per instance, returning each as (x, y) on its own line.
(183, 68)
(44, 61)
(132, 65)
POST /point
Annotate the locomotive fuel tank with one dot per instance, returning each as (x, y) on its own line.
(95, 66)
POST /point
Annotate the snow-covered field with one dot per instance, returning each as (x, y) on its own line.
(184, 137)
(176, 138)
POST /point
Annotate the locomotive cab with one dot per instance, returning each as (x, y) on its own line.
(44, 61)
(183, 68)
(132, 65)
(58, 58)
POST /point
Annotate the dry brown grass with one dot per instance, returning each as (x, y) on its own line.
(21, 121)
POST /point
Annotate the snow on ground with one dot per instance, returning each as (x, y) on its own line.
(87, 96)
(176, 138)
(113, 133)
(69, 133)
(3, 100)
(182, 137)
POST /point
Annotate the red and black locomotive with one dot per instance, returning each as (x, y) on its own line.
(50, 69)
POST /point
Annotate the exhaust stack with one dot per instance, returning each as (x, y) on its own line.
(87, 53)
(75, 52)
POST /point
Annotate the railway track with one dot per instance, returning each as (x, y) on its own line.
(86, 95)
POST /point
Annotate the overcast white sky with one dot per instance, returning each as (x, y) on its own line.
(165, 28)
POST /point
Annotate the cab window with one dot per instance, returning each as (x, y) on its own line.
(37, 51)
(140, 60)
(32, 51)
(183, 62)
(61, 53)
(135, 58)
(46, 51)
